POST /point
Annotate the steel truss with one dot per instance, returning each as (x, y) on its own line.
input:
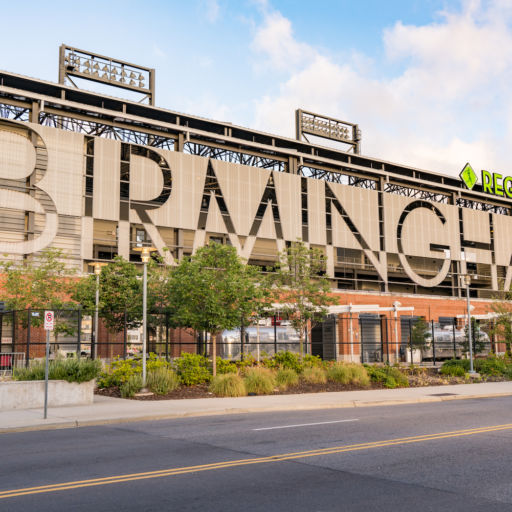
(337, 177)
(14, 113)
(484, 207)
(237, 157)
(98, 129)
(416, 193)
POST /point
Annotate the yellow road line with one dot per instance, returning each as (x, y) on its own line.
(65, 486)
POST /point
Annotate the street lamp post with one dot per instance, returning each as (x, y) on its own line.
(145, 256)
(97, 270)
(466, 278)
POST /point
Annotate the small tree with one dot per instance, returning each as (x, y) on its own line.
(477, 338)
(420, 335)
(212, 291)
(42, 282)
(301, 287)
(503, 322)
(120, 292)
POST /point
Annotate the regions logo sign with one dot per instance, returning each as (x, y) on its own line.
(492, 183)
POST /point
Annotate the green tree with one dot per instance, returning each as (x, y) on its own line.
(212, 291)
(301, 288)
(120, 291)
(41, 282)
(502, 328)
(421, 334)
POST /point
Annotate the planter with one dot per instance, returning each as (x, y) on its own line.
(29, 394)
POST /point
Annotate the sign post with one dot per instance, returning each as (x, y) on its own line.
(48, 326)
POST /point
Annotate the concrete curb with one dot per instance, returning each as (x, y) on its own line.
(245, 410)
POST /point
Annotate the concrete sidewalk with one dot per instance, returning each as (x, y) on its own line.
(106, 410)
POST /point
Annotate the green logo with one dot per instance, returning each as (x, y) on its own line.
(468, 176)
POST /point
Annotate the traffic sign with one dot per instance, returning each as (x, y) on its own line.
(48, 320)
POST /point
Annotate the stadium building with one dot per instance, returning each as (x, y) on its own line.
(96, 176)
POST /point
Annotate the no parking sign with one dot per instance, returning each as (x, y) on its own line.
(48, 320)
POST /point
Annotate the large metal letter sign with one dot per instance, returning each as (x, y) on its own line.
(23, 164)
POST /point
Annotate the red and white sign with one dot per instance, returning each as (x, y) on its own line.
(48, 320)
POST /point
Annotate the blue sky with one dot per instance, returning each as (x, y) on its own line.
(428, 81)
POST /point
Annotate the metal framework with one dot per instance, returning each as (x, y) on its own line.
(98, 68)
(327, 128)
(98, 129)
(337, 177)
(237, 157)
(437, 197)
(27, 99)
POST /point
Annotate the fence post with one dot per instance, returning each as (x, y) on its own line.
(167, 336)
(410, 340)
(242, 336)
(93, 338)
(454, 342)
(433, 344)
(27, 353)
(275, 334)
(13, 339)
(125, 333)
(79, 332)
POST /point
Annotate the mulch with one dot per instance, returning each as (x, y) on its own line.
(428, 377)
(201, 391)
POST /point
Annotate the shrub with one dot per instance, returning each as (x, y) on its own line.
(348, 374)
(286, 377)
(339, 372)
(492, 365)
(314, 375)
(192, 369)
(228, 384)
(132, 385)
(71, 370)
(259, 381)
(118, 372)
(452, 371)
(225, 366)
(162, 380)
(285, 359)
(308, 361)
(387, 375)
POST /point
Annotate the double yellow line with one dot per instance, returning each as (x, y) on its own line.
(66, 486)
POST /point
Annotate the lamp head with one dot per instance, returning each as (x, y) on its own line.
(145, 253)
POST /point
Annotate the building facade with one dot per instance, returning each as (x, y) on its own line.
(98, 176)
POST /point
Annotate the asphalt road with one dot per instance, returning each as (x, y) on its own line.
(451, 455)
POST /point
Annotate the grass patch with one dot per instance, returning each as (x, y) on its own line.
(314, 375)
(162, 380)
(389, 376)
(131, 386)
(285, 378)
(259, 381)
(354, 374)
(70, 370)
(228, 384)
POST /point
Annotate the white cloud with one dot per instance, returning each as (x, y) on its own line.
(448, 104)
(211, 10)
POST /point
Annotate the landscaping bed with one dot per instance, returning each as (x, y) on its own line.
(190, 377)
